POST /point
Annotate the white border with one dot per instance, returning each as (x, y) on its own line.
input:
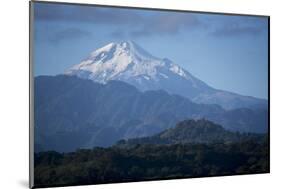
(14, 94)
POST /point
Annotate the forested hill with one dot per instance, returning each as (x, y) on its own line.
(195, 131)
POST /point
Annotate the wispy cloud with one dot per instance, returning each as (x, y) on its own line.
(84, 14)
(236, 30)
(239, 27)
(168, 24)
(69, 34)
(141, 23)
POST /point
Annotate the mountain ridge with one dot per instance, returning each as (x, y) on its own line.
(81, 109)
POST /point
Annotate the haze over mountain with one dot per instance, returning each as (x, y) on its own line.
(72, 113)
(128, 62)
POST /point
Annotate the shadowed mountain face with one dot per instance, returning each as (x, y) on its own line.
(73, 113)
(129, 63)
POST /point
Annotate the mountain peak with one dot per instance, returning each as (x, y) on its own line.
(128, 43)
(128, 48)
(125, 61)
(128, 62)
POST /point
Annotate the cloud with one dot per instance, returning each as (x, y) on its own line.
(168, 24)
(240, 27)
(161, 24)
(84, 14)
(69, 34)
(141, 23)
(236, 30)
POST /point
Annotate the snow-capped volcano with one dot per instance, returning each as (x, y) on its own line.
(128, 62)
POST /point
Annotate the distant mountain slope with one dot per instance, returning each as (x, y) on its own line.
(128, 62)
(73, 113)
(194, 131)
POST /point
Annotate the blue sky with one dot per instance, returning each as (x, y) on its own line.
(226, 52)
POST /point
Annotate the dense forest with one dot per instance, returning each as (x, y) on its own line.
(129, 160)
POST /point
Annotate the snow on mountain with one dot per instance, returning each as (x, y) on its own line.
(128, 62)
